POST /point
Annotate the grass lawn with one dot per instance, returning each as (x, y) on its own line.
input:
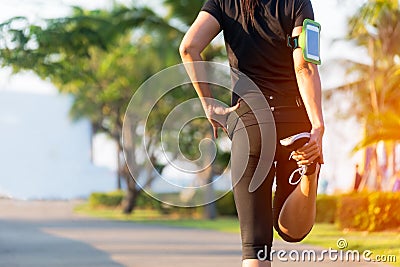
(323, 235)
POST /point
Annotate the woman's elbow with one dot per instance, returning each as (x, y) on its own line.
(187, 49)
(184, 49)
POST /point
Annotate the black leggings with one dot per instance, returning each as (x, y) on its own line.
(258, 214)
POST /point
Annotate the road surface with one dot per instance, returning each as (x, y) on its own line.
(49, 234)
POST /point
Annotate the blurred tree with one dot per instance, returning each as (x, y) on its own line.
(185, 12)
(94, 56)
(375, 93)
(101, 57)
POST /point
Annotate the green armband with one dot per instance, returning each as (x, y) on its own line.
(309, 41)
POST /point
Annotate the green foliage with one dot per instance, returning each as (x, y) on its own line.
(101, 57)
(369, 212)
(352, 211)
(383, 126)
(374, 93)
(326, 208)
(145, 201)
(357, 211)
(115, 199)
(226, 205)
(112, 199)
(384, 211)
(378, 20)
(184, 10)
(93, 56)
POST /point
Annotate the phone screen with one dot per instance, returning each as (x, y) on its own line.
(313, 42)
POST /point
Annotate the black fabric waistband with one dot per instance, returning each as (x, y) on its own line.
(279, 101)
(274, 102)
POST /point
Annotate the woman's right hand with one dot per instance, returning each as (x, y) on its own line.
(217, 114)
(311, 151)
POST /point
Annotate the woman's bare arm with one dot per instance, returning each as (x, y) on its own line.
(196, 39)
(309, 84)
(200, 34)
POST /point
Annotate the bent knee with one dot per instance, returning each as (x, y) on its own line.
(290, 238)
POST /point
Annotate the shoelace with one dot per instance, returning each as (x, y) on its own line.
(301, 170)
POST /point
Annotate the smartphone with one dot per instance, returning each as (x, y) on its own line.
(310, 41)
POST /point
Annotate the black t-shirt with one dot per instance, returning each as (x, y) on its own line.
(261, 51)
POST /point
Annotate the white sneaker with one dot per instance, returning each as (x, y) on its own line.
(293, 143)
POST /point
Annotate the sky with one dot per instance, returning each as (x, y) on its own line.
(331, 14)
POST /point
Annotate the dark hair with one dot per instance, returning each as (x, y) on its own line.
(248, 8)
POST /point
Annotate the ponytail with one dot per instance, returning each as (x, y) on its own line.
(248, 8)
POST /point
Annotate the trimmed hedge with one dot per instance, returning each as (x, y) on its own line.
(326, 208)
(111, 199)
(352, 211)
(115, 198)
(144, 201)
(226, 205)
(358, 211)
(369, 212)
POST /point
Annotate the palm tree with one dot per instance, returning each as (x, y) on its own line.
(376, 27)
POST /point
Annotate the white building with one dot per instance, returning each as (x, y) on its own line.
(43, 153)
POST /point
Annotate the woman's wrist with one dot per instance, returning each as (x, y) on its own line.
(317, 122)
(209, 103)
(318, 127)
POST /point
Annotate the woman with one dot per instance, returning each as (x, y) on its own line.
(255, 33)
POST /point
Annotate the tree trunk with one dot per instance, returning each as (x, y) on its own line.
(130, 157)
(210, 210)
(131, 194)
(372, 177)
(120, 161)
(372, 89)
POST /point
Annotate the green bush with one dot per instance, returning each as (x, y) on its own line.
(115, 198)
(226, 205)
(111, 199)
(384, 211)
(369, 212)
(145, 201)
(326, 209)
(358, 211)
(352, 211)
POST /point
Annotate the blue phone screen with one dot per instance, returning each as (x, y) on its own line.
(313, 43)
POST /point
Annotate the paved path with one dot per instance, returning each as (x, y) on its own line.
(48, 234)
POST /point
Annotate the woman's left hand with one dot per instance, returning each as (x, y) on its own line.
(217, 115)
